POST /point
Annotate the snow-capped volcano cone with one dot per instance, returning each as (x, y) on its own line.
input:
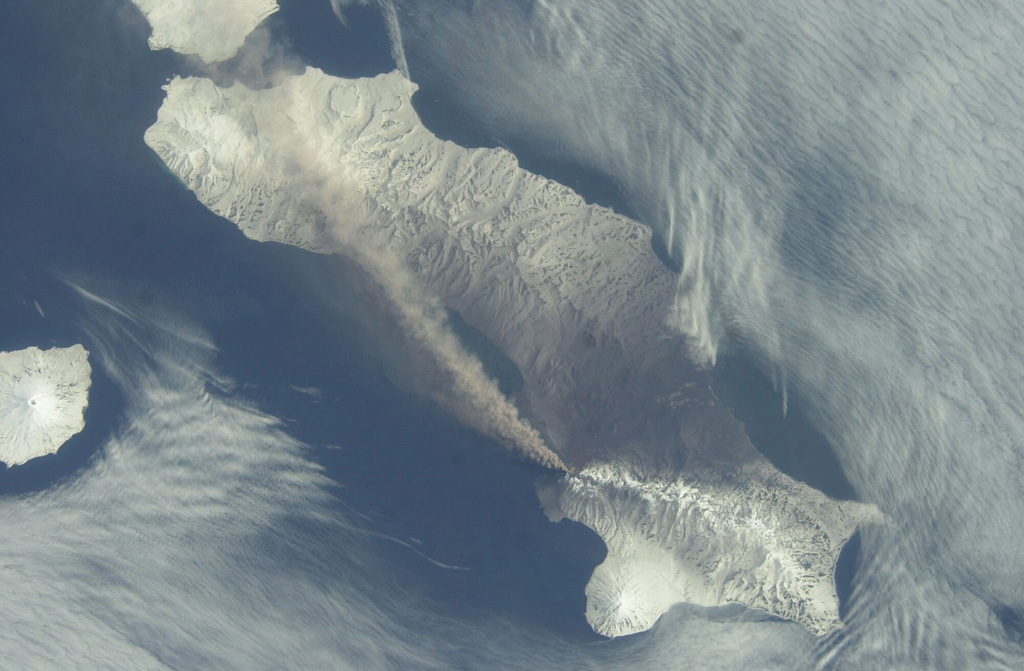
(43, 396)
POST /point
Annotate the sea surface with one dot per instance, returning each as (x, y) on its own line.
(83, 199)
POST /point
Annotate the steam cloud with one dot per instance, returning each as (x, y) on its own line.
(471, 394)
(203, 535)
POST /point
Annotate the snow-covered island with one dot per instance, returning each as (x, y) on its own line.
(43, 396)
(571, 292)
(212, 30)
(762, 540)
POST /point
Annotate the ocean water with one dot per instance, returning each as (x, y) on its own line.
(84, 200)
(77, 196)
(861, 161)
(787, 438)
(464, 501)
(298, 335)
(841, 183)
(360, 48)
(25, 327)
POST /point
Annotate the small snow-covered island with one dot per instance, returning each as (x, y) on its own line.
(212, 31)
(43, 396)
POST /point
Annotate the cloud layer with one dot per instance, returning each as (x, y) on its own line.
(840, 185)
(202, 535)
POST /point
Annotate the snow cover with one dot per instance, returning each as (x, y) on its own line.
(571, 292)
(762, 540)
(214, 30)
(43, 396)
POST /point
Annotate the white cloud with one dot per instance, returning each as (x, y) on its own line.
(842, 184)
(202, 536)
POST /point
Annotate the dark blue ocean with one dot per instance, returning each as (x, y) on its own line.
(81, 194)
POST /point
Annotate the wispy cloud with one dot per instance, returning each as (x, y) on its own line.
(841, 189)
(203, 536)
